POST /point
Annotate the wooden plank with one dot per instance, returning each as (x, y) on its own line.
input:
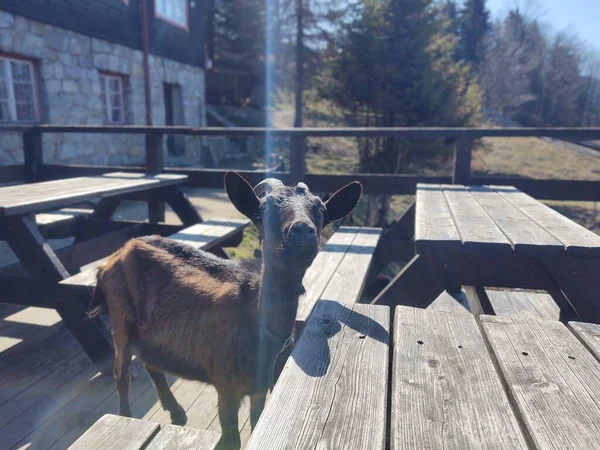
(577, 240)
(526, 236)
(332, 392)
(37, 197)
(72, 421)
(112, 432)
(447, 303)
(445, 391)
(589, 334)
(532, 305)
(172, 437)
(210, 233)
(347, 282)
(323, 267)
(434, 224)
(553, 380)
(478, 232)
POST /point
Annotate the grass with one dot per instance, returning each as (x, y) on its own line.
(534, 158)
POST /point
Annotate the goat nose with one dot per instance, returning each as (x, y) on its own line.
(302, 231)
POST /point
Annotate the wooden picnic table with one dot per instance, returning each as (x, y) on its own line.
(500, 237)
(34, 281)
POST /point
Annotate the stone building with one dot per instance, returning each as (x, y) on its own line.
(82, 63)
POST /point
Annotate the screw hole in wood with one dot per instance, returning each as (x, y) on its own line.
(420, 342)
(525, 353)
(571, 357)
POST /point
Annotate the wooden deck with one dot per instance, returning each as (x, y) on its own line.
(51, 393)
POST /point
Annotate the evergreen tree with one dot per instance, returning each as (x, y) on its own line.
(394, 66)
(474, 27)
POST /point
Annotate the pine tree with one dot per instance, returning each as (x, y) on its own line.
(394, 66)
(474, 27)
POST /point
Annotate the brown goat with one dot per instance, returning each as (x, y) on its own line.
(214, 320)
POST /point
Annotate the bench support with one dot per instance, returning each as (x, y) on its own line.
(430, 273)
(38, 258)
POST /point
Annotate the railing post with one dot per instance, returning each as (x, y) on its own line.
(462, 160)
(34, 157)
(155, 163)
(297, 158)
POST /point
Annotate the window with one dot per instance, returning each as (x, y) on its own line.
(173, 11)
(18, 101)
(113, 99)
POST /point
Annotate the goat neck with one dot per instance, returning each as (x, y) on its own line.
(278, 302)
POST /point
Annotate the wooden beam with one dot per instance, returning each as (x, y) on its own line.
(576, 190)
(297, 159)
(12, 174)
(589, 133)
(155, 164)
(462, 160)
(34, 158)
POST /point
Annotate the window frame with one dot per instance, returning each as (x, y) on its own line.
(5, 59)
(184, 26)
(104, 76)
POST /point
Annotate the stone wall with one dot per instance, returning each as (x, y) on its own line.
(67, 66)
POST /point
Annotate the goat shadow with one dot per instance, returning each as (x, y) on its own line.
(313, 351)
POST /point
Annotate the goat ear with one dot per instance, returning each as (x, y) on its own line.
(342, 202)
(242, 195)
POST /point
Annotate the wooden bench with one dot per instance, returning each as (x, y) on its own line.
(552, 378)
(445, 390)
(333, 389)
(526, 304)
(206, 236)
(340, 269)
(116, 432)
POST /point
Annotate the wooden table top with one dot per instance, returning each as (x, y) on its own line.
(37, 197)
(495, 220)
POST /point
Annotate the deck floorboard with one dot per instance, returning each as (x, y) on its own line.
(51, 394)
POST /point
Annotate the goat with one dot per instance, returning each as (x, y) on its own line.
(215, 320)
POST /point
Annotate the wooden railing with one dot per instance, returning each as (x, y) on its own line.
(35, 169)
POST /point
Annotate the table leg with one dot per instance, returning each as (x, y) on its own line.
(41, 262)
(579, 281)
(106, 207)
(181, 205)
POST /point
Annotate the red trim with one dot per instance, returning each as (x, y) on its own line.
(185, 27)
(34, 76)
(121, 77)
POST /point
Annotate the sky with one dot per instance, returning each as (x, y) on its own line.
(579, 16)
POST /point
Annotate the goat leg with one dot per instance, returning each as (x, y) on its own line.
(257, 404)
(122, 376)
(228, 416)
(167, 399)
